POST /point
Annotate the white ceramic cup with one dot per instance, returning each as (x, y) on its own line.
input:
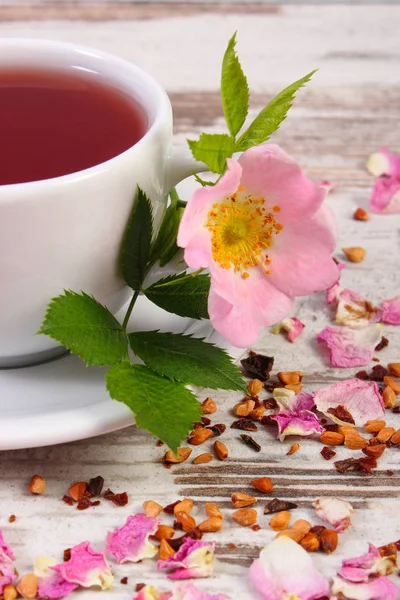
(65, 232)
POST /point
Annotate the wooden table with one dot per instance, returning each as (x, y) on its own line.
(351, 108)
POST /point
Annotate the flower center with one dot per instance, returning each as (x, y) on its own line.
(242, 229)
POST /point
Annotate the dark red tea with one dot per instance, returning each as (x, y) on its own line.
(54, 123)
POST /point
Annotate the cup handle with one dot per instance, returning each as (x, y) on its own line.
(180, 165)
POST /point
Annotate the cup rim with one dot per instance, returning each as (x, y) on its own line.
(159, 96)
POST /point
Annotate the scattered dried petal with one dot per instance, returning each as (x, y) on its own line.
(383, 163)
(193, 559)
(335, 511)
(385, 195)
(380, 588)
(351, 347)
(360, 569)
(86, 568)
(291, 325)
(391, 311)
(130, 543)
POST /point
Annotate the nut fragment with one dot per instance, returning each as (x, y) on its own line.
(27, 586)
(254, 387)
(302, 525)
(331, 438)
(77, 490)
(210, 525)
(240, 500)
(395, 439)
(203, 458)
(151, 509)
(293, 449)
(376, 450)
(37, 485)
(329, 540)
(244, 408)
(392, 383)
(293, 534)
(257, 413)
(360, 215)
(389, 397)
(245, 516)
(164, 532)
(354, 441)
(165, 550)
(180, 457)
(310, 542)
(263, 484)
(354, 253)
(212, 510)
(385, 434)
(280, 521)
(186, 521)
(200, 435)
(208, 406)
(374, 426)
(290, 377)
(221, 450)
(295, 387)
(394, 369)
(346, 429)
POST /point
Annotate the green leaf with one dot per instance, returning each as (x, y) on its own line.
(165, 408)
(187, 359)
(269, 119)
(234, 90)
(213, 149)
(164, 247)
(86, 327)
(135, 250)
(184, 294)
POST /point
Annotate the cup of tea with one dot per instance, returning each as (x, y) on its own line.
(80, 130)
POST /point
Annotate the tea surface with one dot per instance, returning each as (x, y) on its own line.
(53, 124)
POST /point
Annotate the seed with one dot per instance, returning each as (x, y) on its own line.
(210, 525)
(295, 387)
(331, 438)
(302, 525)
(151, 509)
(212, 510)
(310, 542)
(221, 450)
(258, 413)
(329, 540)
(186, 521)
(395, 439)
(263, 484)
(37, 485)
(77, 490)
(254, 387)
(293, 449)
(394, 369)
(354, 441)
(200, 435)
(244, 408)
(293, 534)
(165, 550)
(208, 406)
(354, 253)
(376, 450)
(203, 458)
(185, 505)
(240, 500)
(374, 426)
(245, 516)
(385, 434)
(360, 215)
(389, 397)
(182, 455)
(346, 429)
(290, 377)
(280, 521)
(392, 383)
(164, 532)
(27, 586)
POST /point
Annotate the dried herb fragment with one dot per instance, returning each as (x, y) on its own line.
(341, 413)
(396, 409)
(124, 580)
(378, 373)
(68, 500)
(67, 554)
(117, 499)
(249, 441)
(258, 366)
(84, 502)
(169, 509)
(256, 527)
(277, 505)
(245, 425)
(139, 586)
(356, 464)
(12, 518)
(270, 403)
(327, 453)
(95, 486)
(363, 375)
(267, 421)
(382, 344)
(217, 429)
(205, 421)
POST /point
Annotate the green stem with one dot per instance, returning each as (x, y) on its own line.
(181, 204)
(130, 308)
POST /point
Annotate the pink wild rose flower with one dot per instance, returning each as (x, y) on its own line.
(265, 237)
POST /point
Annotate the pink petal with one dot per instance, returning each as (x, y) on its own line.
(391, 311)
(150, 593)
(385, 195)
(188, 591)
(86, 567)
(285, 570)
(292, 326)
(303, 423)
(130, 543)
(302, 401)
(335, 511)
(5, 550)
(195, 214)
(360, 398)
(351, 347)
(51, 584)
(354, 311)
(7, 573)
(197, 253)
(269, 172)
(301, 255)
(384, 163)
(380, 588)
(194, 559)
(332, 293)
(359, 570)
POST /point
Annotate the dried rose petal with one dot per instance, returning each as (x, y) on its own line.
(385, 195)
(150, 593)
(296, 418)
(188, 591)
(285, 570)
(5, 550)
(380, 588)
(391, 311)
(351, 347)
(291, 325)
(335, 511)
(130, 543)
(359, 570)
(360, 398)
(7, 571)
(383, 163)
(86, 567)
(193, 559)
(354, 311)
(50, 584)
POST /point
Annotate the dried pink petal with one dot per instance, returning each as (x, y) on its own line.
(351, 347)
(193, 559)
(5, 550)
(380, 588)
(383, 163)
(291, 325)
(51, 584)
(7, 573)
(150, 593)
(188, 591)
(385, 195)
(130, 543)
(354, 311)
(335, 511)
(371, 564)
(86, 567)
(303, 423)
(285, 570)
(333, 291)
(360, 398)
(391, 311)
